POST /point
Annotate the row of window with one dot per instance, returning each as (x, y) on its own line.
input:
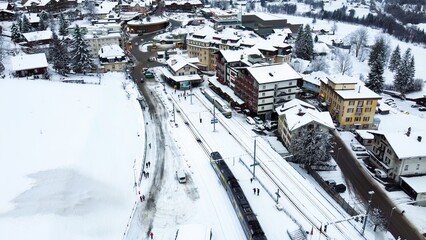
(357, 119)
(358, 110)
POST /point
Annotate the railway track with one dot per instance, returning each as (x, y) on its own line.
(287, 185)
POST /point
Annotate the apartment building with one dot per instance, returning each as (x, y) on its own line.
(206, 42)
(112, 58)
(96, 42)
(350, 103)
(264, 87)
(295, 114)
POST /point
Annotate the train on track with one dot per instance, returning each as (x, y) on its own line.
(218, 103)
(248, 219)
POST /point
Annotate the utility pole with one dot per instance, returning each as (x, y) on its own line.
(371, 193)
(174, 114)
(254, 160)
(214, 115)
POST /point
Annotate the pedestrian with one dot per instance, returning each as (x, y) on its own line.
(258, 192)
(201, 120)
(403, 211)
(150, 145)
(146, 164)
(140, 197)
(152, 235)
(149, 164)
(147, 175)
(143, 173)
(143, 198)
(251, 180)
(254, 191)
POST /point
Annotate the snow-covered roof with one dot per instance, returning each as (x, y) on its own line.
(30, 61)
(299, 114)
(359, 92)
(321, 48)
(4, 5)
(405, 146)
(32, 17)
(265, 16)
(192, 2)
(30, 3)
(105, 7)
(191, 77)
(416, 183)
(38, 36)
(273, 73)
(365, 134)
(235, 55)
(315, 77)
(177, 62)
(111, 51)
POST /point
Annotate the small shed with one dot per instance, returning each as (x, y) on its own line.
(30, 65)
(415, 187)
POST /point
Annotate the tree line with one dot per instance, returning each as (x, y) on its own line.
(387, 23)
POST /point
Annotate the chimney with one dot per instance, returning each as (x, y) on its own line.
(174, 61)
(359, 89)
(300, 113)
(419, 138)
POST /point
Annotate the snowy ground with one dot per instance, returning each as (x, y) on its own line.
(70, 150)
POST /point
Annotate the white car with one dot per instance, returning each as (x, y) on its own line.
(357, 147)
(380, 173)
(260, 127)
(250, 121)
(258, 120)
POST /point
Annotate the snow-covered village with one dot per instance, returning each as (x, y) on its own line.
(212, 120)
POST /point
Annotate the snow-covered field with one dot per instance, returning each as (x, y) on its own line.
(67, 154)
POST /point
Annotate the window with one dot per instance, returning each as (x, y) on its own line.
(368, 109)
(388, 151)
(406, 168)
(264, 87)
(348, 119)
(366, 119)
(357, 119)
(289, 90)
(350, 110)
(351, 103)
(418, 166)
(290, 83)
(263, 94)
(369, 102)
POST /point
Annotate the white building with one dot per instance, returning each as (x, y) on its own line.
(112, 58)
(96, 42)
(295, 114)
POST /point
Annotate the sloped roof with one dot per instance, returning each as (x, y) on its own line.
(38, 36)
(180, 62)
(299, 114)
(111, 51)
(405, 146)
(30, 61)
(273, 73)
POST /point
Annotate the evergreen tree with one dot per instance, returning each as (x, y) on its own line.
(44, 21)
(15, 34)
(395, 59)
(376, 62)
(81, 60)
(404, 75)
(316, 38)
(304, 45)
(26, 25)
(59, 54)
(311, 146)
(63, 25)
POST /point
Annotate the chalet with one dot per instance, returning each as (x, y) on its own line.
(112, 58)
(29, 65)
(182, 73)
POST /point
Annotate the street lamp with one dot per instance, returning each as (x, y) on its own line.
(390, 217)
(338, 151)
(371, 193)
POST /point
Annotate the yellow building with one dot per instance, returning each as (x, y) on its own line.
(349, 102)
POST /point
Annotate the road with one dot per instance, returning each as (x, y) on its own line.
(362, 182)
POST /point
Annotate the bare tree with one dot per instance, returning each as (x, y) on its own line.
(319, 64)
(359, 40)
(378, 219)
(343, 62)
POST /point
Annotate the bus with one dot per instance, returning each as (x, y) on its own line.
(194, 232)
(219, 104)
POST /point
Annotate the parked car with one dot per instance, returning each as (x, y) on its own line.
(389, 100)
(238, 109)
(392, 188)
(422, 109)
(358, 147)
(149, 75)
(246, 112)
(340, 188)
(260, 127)
(380, 173)
(258, 120)
(250, 121)
(415, 106)
(330, 183)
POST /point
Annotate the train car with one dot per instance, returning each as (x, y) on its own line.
(248, 219)
(219, 104)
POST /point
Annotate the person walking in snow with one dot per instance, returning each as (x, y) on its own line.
(151, 235)
(254, 191)
(258, 192)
